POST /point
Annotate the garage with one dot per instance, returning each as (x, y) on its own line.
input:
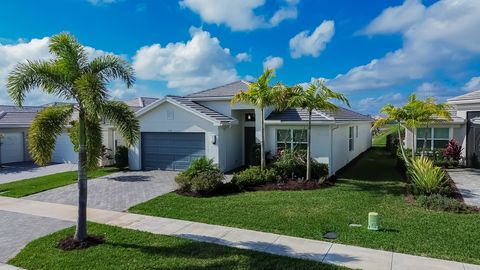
(171, 150)
(12, 147)
(64, 152)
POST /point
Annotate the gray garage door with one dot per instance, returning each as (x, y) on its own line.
(171, 150)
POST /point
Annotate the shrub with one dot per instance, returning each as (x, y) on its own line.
(426, 178)
(453, 151)
(438, 202)
(254, 176)
(293, 164)
(121, 157)
(202, 176)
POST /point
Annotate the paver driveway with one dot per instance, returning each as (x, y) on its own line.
(24, 170)
(17, 230)
(468, 183)
(117, 191)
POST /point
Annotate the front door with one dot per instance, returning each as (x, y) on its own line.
(473, 140)
(249, 145)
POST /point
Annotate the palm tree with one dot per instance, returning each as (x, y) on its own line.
(397, 115)
(315, 97)
(262, 96)
(71, 76)
(424, 113)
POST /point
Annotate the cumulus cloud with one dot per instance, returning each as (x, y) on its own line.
(473, 84)
(35, 49)
(305, 44)
(374, 104)
(272, 62)
(196, 64)
(243, 57)
(240, 15)
(445, 35)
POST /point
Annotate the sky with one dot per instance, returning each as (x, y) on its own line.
(375, 52)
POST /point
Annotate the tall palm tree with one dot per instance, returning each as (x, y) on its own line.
(314, 97)
(71, 76)
(422, 113)
(261, 95)
(397, 115)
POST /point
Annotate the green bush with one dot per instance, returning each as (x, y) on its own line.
(293, 164)
(438, 202)
(121, 157)
(202, 176)
(426, 177)
(254, 176)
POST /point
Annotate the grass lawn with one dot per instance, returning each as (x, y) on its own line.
(31, 186)
(129, 249)
(381, 139)
(372, 184)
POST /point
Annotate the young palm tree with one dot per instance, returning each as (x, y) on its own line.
(71, 76)
(315, 97)
(262, 96)
(424, 113)
(397, 115)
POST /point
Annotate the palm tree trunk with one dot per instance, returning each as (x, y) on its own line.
(424, 141)
(309, 138)
(81, 230)
(401, 145)
(262, 142)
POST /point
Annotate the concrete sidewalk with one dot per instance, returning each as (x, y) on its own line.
(26, 170)
(349, 256)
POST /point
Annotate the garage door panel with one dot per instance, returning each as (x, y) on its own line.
(172, 150)
(12, 147)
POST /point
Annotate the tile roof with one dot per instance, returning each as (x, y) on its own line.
(298, 114)
(214, 115)
(469, 96)
(140, 102)
(227, 90)
(13, 115)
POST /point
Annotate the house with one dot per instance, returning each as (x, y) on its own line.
(178, 129)
(464, 127)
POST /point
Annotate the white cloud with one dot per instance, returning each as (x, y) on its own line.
(243, 57)
(272, 62)
(314, 44)
(249, 78)
(35, 49)
(239, 15)
(374, 104)
(445, 35)
(101, 2)
(473, 84)
(196, 64)
(394, 19)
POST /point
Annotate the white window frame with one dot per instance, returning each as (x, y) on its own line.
(291, 142)
(351, 138)
(432, 138)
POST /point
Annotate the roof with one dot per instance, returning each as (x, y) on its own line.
(22, 116)
(224, 91)
(140, 102)
(207, 112)
(475, 95)
(298, 114)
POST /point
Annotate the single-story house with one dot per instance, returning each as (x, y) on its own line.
(178, 129)
(464, 127)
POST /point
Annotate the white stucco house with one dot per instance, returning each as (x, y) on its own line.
(464, 127)
(176, 130)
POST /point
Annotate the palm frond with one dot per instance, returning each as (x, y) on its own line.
(123, 119)
(43, 132)
(92, 93)
(111, 67)
(93, 144)
(70, 53)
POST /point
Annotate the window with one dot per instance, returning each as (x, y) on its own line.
(350, 139)
(437, 138)
(291, 139)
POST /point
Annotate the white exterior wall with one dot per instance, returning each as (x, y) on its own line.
(341, 155)
(456, 131)
(183, 121)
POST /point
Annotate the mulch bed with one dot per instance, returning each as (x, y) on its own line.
(70, 243)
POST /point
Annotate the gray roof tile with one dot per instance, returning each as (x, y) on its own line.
(298, 114)
(18, 115)
(214, 115)
(227, 90)
(469, 96)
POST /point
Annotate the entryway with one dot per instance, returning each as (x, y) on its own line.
(473, 139)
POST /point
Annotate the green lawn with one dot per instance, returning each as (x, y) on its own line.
(380, 140)
(34, 185)
(129, 249)
(372, 184)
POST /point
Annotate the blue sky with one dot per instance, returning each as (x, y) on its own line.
(376, 52)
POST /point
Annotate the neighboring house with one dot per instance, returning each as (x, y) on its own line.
(14, 125)
(464, 127)
(176, 130)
